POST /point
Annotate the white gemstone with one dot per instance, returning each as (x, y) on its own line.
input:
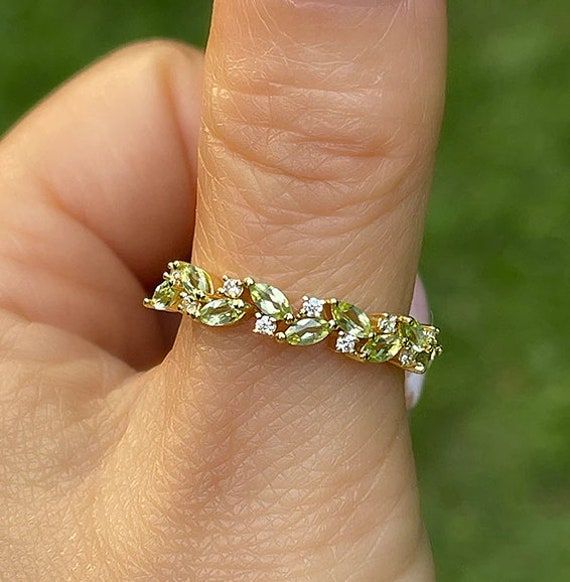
(388, 324)
(345, 343)
(406, 357)
(265, 325)
(312, 307)
(232, 288)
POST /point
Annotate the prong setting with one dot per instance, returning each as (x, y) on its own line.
(265, 324)
(312, 306)
(345, 343)
(280, 337)
(232, 288)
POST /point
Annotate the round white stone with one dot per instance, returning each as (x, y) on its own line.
(232, 288)
(406, 357)
(265, 325)
(345, 343)
(313, 307)
(389, 324)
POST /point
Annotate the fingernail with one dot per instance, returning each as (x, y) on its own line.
(419, 310)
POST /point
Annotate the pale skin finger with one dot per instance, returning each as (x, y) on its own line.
(31, 355)
(90, 182)
(186, 475)
(315, 162)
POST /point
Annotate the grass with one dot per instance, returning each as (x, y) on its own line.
(492, 433)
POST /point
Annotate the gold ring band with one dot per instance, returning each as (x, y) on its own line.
(377, 338)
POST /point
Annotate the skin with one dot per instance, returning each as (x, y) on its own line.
(221, 456)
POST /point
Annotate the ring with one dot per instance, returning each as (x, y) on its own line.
(399, 340)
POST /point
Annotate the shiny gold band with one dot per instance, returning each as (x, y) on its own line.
(381, 337)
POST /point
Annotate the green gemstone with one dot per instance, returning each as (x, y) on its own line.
(270, 300)
(222, 312)
(417, 336)
(382, 348)
(307, 332)
(192, 278)
(351, 319)
(164, 297)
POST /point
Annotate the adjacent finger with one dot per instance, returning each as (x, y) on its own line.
(97, 192)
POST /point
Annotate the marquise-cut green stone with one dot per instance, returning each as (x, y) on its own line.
(164, 297)
(193, 278)
(270, 300)
(382, 348)
(222, 312)
(307, 332)
(414, 332)
(351, 319)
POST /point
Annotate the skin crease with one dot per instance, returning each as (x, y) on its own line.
(235, 459)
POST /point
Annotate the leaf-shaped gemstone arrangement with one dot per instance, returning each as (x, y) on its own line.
(351, 319)
(307, 332)
(270, 301)
(221, 312)
(194, 280)
(379, 337)
(164, 298)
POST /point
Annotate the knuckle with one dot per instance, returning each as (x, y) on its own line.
(310, 140)
(158, 53)
(306, 133)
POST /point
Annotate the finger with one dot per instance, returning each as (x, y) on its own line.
(319, 129)
(97, 191)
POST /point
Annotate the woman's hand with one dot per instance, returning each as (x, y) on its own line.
(235, 458)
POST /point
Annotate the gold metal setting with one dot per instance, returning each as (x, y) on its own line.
(399, 340)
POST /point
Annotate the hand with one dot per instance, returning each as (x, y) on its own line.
(235, 458)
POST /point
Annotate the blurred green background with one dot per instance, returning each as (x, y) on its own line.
(492, 433)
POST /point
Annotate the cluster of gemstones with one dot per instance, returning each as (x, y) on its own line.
(383, 337)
